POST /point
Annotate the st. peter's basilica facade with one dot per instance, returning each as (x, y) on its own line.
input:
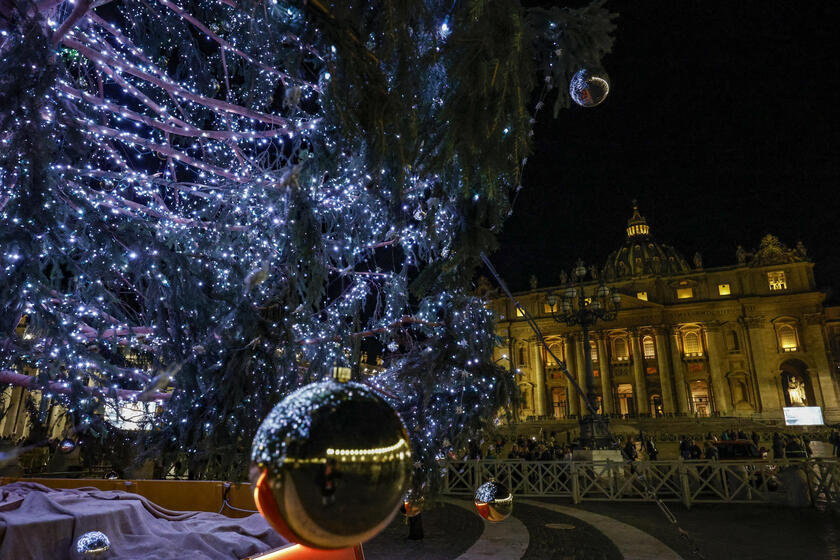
(743, 340)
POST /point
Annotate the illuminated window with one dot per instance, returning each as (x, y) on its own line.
(723, 289)
(548, 309)
(787, 338)
(593, 351)
(637, 229)
(776, 280)
(520, 312)
(620, 348)
(641, 295)
(692, 344)
(649, 349)
(685, 293)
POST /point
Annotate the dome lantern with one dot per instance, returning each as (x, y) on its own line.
(641, 255)
(637, 226)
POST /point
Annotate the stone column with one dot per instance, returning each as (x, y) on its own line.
(580, 361)
(717, 357)
(571, 393)
(664, 365)
(539, 378)
(640, 387)
(815, 345)
(763, 345)
(679, 374)
(606, 381)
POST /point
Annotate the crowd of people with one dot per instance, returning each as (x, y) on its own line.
(549, 447)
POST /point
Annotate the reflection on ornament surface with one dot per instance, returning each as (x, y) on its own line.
(93, 544)
(330, 464)
(67, 445)
(412, 506)
(589, 88)
(493, 501)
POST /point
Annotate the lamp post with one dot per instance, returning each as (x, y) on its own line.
(578, 308)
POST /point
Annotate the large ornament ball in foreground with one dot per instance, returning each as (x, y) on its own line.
(330, 465)
(93, 544)
(493, 501)
(589, 88)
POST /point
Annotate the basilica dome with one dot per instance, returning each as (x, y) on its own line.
(641, 255)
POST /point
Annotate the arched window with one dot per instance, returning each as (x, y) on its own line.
(620, 348)
(733, 345)
(593, 351)
(787, 338)
(522, 355)
(692, 344)
(648, 347)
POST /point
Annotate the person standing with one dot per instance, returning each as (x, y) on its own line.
(778, 446)
(684, 448)
(652, 451)
(794, 449)
(630, 452)
(711, 452)
(327, 478)
(694, 451)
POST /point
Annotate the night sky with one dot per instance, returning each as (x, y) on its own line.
(722, 120)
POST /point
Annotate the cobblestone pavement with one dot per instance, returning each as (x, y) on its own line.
(736, 531)
(731, 532)
(448, 532)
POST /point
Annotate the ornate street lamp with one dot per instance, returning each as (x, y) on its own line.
(579, 308)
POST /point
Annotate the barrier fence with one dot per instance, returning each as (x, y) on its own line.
(787, 482)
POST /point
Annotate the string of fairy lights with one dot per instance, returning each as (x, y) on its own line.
(198, 172)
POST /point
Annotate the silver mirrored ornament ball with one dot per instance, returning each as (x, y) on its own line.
(93, 544)
(412, 505)
(589, 88)
(330, 464)
(67, 445)
(493, 501)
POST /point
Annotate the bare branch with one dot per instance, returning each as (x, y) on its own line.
(174, 87)
(28, 382)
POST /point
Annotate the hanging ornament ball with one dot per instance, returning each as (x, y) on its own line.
(67, 445)
(589, 88)
(93, 544)
(493, 501)
(330, 464)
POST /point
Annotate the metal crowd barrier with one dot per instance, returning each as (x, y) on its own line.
(786, 482)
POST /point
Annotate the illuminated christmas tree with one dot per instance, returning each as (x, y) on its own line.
(206, 204)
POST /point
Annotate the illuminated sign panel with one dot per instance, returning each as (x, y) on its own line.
(803, 416)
